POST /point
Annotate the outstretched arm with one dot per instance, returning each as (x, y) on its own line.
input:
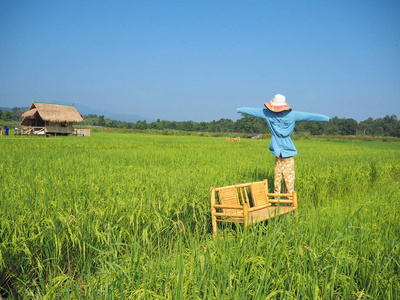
(303, 116)
(255, 112)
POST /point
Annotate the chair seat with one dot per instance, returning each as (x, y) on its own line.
(269, 212)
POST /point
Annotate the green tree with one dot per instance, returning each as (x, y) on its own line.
(226, 125)
(7, 116)
(203, 126)
(390, 124)
(141, 125)
(112, 124)
(349, 127)
(332, 128)
(367, 127)
(156, 125)
(250, 124)
(101, 121)
(17, 114)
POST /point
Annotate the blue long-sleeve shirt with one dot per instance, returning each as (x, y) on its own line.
(281, 125)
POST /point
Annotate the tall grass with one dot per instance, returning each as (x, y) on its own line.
(121, 215)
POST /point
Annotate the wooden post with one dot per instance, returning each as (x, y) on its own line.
(213, 211)
(295, 201)
(245, 215)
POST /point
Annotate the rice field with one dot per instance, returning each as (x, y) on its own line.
(127, 216)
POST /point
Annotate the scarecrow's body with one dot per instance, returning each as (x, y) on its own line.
(281, 125)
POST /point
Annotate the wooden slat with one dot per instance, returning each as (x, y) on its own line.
(231, 220)
(222, 206)
(281, 201)
(279, 195)
(229, 214)
(259, 207)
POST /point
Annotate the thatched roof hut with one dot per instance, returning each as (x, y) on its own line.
(56, 113)
(55, 118)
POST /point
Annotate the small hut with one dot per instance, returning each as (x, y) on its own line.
(46, 118)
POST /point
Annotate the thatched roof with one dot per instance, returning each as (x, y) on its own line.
(53, 112)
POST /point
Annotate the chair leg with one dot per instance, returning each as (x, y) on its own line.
(213, 211)
(245, 215)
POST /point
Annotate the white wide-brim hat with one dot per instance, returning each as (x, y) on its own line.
(277, 104)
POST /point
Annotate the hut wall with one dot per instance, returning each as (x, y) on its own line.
(62, 128)
(82, 132)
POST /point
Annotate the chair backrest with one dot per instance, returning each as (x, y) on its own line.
(259, 191)
(229, 196)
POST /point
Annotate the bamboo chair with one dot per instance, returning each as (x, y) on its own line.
(248, 203)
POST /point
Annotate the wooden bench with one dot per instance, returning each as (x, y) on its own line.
(228, 139)
(248, 203)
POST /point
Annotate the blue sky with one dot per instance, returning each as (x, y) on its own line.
(200, 60)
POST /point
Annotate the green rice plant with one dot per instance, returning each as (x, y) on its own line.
(127, 215)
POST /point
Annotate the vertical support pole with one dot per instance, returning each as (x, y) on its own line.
(213, 211)
(295, 201)
(245, 215)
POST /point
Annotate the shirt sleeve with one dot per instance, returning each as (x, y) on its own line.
(255, 112)
(303, 116)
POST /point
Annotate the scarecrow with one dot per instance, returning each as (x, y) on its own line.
(281, 120)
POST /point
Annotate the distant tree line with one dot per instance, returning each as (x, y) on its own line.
(15, 115)
(387, 126)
